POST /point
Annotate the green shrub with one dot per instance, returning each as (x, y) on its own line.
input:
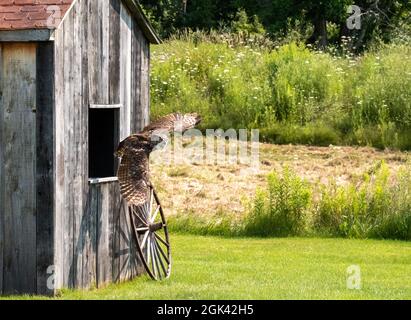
(375, 208)
(395, 222)
(353, 211)
(282, 210)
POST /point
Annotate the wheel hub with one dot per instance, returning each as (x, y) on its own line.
(156, 226)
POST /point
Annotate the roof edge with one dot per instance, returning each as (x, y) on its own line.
(143, 21)
(46, 34)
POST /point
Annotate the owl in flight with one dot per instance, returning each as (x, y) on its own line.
(134, 152)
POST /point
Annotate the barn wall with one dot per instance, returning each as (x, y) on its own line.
(1, 172)
(45, 168)
(26, 167)
(18, 168)
(102, 58)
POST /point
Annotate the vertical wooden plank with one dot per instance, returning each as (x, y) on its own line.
(19, 139)
(114, 72)
(99, 51)
(90, 238)
(69, 156)
(77, 145)
(92, 252)
(114, 204)
(45, 171)
(145, 83)
(137, 38)
(105, 53)
(59, 159)
(104, 265)
(114, 63)
(115, 231)
(1, 170)
(125, 71)
(94, 48)
(84, 133)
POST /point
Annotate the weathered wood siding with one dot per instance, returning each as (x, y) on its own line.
(56, 227)
(45, 168)
(1, 171)
(18, 168)
(102, 58)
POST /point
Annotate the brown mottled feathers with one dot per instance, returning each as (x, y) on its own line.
(174, 122)
(133, 176)
(133, 173)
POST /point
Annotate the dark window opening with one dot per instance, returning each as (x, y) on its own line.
(103, 141)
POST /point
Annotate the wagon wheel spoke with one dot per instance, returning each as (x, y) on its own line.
(145, 239)
(156, 258)
(150, 209)
(155, 214)
(148, 251)
(163, 268)
(143, 212)
(162, 251)
(159, 259)
(142, 230)
(153, 259)
(162, 240)
(139, 217)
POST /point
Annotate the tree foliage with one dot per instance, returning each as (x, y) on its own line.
(379, 17)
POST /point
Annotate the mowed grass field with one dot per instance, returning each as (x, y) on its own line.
(289, 268)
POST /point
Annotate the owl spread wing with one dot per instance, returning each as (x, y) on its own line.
(133, 176)
(174, 122)
(133, 173)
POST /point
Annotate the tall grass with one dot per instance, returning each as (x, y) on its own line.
(378, 206)
(282, 210)
(291, 93)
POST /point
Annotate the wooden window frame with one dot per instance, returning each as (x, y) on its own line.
(101, 180)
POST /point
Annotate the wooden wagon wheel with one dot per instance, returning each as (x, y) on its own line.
(151, 235)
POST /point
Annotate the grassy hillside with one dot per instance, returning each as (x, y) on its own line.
(292, 94)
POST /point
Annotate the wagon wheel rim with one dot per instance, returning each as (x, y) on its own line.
(150, 231)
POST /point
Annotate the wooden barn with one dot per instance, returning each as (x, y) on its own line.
(74, 81)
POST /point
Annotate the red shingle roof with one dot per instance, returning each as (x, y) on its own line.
(32, 14)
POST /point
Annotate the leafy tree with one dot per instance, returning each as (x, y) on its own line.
(243, 23)
(380, 18)
(165, 15)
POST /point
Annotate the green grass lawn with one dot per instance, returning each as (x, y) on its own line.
(295, 268)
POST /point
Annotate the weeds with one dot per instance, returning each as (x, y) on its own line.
(282, 209)
(378, 206)
(291, 93)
